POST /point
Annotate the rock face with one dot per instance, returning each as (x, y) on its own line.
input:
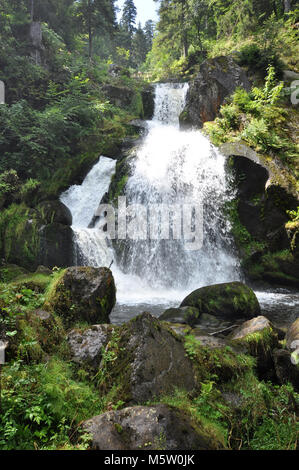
(259, 339)
(56, 245)
(188, 315)
(84, 294)
(157, 427)
(55, 212)
(265, 191)
(229, 300)
(151, 361)
(87, 347)
(218, 78)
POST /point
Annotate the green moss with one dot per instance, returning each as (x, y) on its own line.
(19, 235)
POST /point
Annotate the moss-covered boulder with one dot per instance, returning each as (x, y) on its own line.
(188, 315)
(158, 427)
(259, 338)
(150, 360)
(83, 294)
(230, 300)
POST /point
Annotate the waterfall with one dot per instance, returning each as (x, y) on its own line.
(172, 168)
(89, 248)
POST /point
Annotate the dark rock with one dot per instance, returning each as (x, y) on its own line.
(188, 315)
(152, 361)
(158, 427)
(56, 245)
(54, 212)
(86, 347)
(218, 78)
(286, 368)
(83, 294)
(148, 99)
(229, 300)
(119, 96)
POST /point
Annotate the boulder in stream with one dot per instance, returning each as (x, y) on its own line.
(231, 300)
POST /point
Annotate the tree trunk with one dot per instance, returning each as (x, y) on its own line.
(89, 31)
(32, 10)
(287, 6)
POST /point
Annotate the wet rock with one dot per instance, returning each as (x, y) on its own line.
(230, 300)
(83, 294)
(148, 99)
(188, 315)
(259, 339)
(218, 78)
(151, 361)
(158, 427)
(56, 245)
(86, 347)
(54, 212)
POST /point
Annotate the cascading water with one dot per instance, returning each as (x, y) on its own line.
(170, 168)
(89, 248)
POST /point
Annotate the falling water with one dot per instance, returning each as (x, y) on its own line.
(171, 167)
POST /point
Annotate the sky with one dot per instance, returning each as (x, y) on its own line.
(146, 10)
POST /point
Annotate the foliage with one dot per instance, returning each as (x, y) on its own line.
(258, 117)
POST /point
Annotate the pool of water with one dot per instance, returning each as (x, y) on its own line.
(280, 306)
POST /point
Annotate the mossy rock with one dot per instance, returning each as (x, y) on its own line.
(150, 360)
(229, 300)
(259, 338)
(157, 427)
(188, 315)
(54, 212)
(83, 294)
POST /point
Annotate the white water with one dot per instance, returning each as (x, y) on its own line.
(83, 200)
(171, 167)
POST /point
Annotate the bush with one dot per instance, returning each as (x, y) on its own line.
(258, 60)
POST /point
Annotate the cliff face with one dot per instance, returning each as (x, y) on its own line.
(218, 78)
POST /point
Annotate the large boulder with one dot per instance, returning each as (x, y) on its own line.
(151, 361)
(259, 338)
(218, 78)
(230, 300)
(83, 294)
(158, 427)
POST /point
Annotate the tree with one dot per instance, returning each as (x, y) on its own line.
(140, 48)
(128, 20)
(96, 17)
